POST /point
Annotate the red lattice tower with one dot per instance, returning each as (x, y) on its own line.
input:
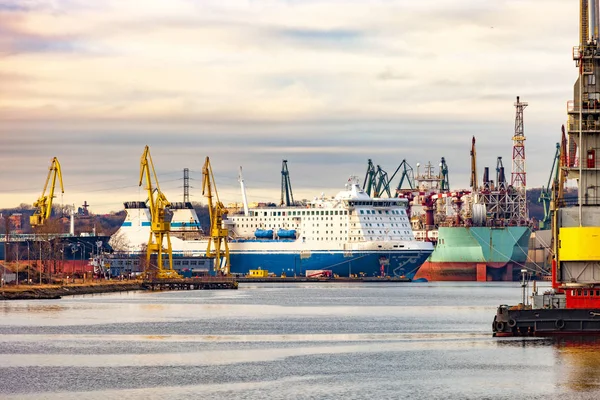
(518, 176)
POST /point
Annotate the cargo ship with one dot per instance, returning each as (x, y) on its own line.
(572, 306)
(481, 234)
(350, 234)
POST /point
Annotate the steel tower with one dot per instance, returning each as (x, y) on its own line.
(186, 185)
(518, 176)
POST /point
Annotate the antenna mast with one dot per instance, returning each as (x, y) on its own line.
(518, 176)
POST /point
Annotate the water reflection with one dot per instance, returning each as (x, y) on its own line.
(578, 361)
(40, 308)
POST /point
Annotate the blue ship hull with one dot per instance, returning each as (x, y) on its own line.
(343, 264)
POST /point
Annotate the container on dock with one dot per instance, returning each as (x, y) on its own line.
(258, 273)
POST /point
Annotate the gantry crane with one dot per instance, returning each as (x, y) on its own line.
(370, 177)
(43, 205)
(444, 177)
(160, 227)
(376, 181)
(546, 192)
(287, 197)
(218, 234)
(408, 174)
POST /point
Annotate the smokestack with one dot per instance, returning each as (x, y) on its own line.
(486, 178)
(72, 224)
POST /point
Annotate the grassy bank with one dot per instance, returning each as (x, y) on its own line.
(26, 292)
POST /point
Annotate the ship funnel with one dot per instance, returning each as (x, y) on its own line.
(501, 177)
(486, 178)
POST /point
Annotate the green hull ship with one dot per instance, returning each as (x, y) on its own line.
(477, 254)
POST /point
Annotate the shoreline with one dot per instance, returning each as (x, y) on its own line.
(57, 291)
(51, 292)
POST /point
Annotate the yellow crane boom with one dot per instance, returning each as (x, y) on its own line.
(216, 209)
(43, 205)
(160, 227)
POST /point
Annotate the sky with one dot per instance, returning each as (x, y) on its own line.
(324, 84)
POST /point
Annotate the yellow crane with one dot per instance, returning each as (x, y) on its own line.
(160, 227)
(218, 234)
(43, 205)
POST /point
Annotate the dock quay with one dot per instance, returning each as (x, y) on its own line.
(56, 291)
(203, 283)
(302, 279)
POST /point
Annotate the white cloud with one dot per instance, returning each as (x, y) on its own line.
(404, 79)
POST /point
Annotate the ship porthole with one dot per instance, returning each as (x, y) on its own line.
(512, 323)
(559, 323)
(500, 326)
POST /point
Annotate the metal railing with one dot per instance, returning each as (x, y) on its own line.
(585, 125)
(588, 105)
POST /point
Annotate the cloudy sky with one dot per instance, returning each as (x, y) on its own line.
(325, 84)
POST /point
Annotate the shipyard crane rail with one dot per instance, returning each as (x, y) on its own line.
(160, 227)
(217, 211)
(43, 205)
(547, 191)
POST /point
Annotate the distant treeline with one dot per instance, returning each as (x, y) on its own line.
(102, 224)
(107, 224)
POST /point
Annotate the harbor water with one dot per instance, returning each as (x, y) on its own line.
(287, 341)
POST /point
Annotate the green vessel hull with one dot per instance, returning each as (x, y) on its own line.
(477, 254)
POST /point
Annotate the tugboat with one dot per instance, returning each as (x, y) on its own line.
(573, 304)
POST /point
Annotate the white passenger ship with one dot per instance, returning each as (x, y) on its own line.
(349, 234)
